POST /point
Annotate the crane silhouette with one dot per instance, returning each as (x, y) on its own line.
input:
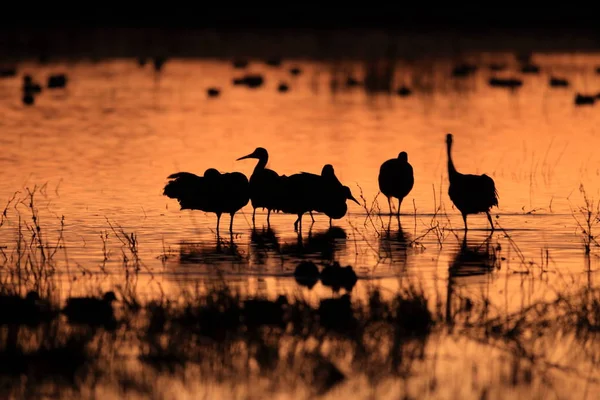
(306, 192)
(332, 200)
(335, 206)
(214, 192)
(471, 194)
(331, 183)
(396, 179)
(264, 184)
(297, 196)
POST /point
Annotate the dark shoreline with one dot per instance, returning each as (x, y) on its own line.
(295, 32)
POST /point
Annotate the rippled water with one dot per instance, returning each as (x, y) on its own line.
(100, 150)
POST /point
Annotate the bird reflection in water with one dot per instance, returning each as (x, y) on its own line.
(333, 276)
(203, 253)
(469, 265)
(394, 244)
(264, 242)
(322, 244)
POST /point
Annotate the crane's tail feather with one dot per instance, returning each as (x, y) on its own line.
(184, 187)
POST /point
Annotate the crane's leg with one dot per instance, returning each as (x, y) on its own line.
(218, 222)
(231, 223)
(299, 224)
(390, 204)
(253, 215)
(311, 216)
(296, 224)
(330, 222)
(269, 217)
(465, 221)
(490, 219)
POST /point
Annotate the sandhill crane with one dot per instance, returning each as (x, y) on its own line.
(471, 194)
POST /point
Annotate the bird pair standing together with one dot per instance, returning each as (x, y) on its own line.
(470, 194)
(298, 193)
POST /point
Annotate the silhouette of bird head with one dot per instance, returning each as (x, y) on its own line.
(449, 138)
(403, 156)
(211, 173)
(349, 195)
(327, 170)
(259, 152)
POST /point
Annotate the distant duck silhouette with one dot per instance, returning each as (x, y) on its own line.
(57, 81)
(29, 89)
(396, 179)
(213, 92)
(582, 99)
(511, 83)
(283, 87)
(471, 194)
(91, 310)
(558, 82)
(214, 192)
(403, 91)
(264, 184)
(252, 81)
(29, 86)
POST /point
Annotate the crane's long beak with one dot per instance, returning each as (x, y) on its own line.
(353, 199)
(251, 155)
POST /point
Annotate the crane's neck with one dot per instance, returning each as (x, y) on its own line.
(262, 163)
(451, 170)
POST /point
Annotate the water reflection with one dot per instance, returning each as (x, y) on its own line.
(525, 154)
(470, 263)
(199, 253)
(264, 242)
(394, 244)
(321, 245)
(473, 260)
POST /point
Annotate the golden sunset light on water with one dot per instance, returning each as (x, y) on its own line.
(117, 160)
